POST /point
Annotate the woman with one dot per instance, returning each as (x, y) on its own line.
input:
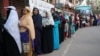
(91, 20)
(73, 25)
(55, 29)
(95, 20)
(27, 31)
(66, 29)
(37, 18)
(47, 33)
(76, 22)
(61, 27)
(11, 34)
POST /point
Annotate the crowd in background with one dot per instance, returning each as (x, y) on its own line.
(39, 33)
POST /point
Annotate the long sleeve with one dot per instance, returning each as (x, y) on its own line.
(31, 28)
(37, 19)
(39, 23)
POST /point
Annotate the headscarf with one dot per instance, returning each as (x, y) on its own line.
(11, 25)
(48, 20)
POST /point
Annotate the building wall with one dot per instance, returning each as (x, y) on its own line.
(19, 4)
(3, 4)
(51, 1)
(45, 0)
(62, 1)
(95, 4)
(74, 1)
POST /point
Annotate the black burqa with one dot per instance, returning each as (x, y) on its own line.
(47, 34)
(10, 47)
(47, 39)
(38, 28)
(95, 20)
(69, 30)
(61, 28)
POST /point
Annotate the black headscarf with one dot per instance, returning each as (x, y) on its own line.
(62, 19)
(55, 16)
(8, 12)
(34, 10)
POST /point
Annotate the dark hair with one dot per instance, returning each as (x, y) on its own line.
(21, 11)
(34, 10)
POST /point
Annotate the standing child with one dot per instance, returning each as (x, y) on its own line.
(66, 26)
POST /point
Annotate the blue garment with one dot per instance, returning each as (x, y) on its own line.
(24, 37)
(98, 22)
(37, 42)
(56, 35)
(72, 28)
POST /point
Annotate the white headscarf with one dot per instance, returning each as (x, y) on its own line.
(11, 26)
(49, 20)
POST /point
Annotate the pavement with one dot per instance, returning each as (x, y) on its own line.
(85, 42)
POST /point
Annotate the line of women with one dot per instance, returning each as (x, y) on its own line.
(33, 32)
(51, 32)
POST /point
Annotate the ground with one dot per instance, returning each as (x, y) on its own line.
(85, 42)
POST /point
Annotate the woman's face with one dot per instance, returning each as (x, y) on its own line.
(25, 11)
(52, 11)
(35, 11)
